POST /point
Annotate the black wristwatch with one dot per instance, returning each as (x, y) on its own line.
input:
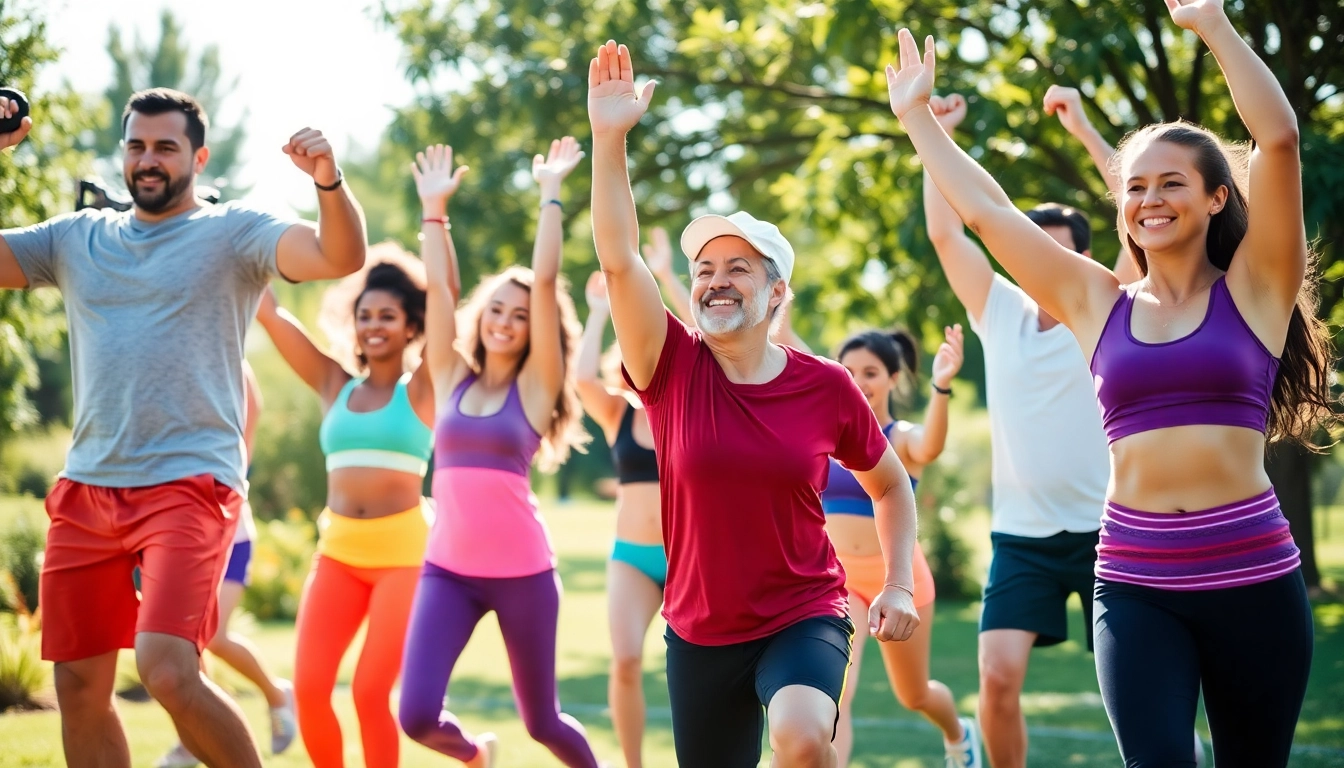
(335, 185)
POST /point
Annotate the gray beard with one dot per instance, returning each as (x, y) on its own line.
(751, 313)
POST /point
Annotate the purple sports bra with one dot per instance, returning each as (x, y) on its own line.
(1218, 374)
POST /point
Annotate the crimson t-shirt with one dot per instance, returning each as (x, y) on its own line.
(742, 467)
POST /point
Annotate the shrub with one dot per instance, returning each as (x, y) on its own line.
(948, 557)
(21, 548)
(22, 672)
(281, 556)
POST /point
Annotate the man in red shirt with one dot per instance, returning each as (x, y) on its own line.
(755, 598)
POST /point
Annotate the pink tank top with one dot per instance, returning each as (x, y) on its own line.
(487, 523)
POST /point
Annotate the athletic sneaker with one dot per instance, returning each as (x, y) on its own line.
(965, 753)
(284, 727)
(177, 757)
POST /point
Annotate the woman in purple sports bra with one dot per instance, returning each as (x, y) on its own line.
(504, 394)
(1214, 351)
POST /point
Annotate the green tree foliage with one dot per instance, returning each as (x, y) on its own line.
(37, 181)
(170, 63)
(780, 107)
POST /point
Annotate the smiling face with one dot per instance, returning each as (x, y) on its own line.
(1165, 203)
(158, 163)
(868, 371)
(730, 290)
(380, 326)
(504, 322)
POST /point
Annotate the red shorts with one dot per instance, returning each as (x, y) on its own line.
(178, 533)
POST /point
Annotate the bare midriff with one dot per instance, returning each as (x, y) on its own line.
(368, 493)
(1188, 468)
(638, 514)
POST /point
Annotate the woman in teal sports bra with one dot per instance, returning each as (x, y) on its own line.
(377, 440)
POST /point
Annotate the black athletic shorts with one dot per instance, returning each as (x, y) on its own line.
(719, 693)
(1030, 580)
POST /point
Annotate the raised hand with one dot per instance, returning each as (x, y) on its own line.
(658, 253)
(912, 85)
(312, 154)
(948, 360)
(949, 110)
(1196, 15)
(596, 293)
(8, 109)
(1067, 104)
(563, 157)
(436, 181)
(614, 105)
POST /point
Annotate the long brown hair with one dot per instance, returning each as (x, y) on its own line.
(566, 431)
(1302, 399)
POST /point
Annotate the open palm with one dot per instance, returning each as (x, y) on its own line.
(658, 252)
(596, 292)
(1191, 14)
(950, 355)
(912, 85)
(614, 106)
(435, 178)
(563, 157)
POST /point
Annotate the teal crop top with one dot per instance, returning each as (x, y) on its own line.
(392, 437)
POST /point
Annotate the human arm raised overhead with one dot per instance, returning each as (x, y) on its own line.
(614, 108)
(1067, 285)
(603, 405)
(967, 268)
(436, 181)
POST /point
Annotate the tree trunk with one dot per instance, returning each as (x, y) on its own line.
(1289, 468)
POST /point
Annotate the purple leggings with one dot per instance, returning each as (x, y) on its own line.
(447, 608)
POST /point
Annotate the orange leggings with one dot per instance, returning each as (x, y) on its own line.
(336, 599)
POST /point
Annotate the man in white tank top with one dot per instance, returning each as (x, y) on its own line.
(1050, 459)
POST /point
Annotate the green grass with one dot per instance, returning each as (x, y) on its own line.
(1069, 727)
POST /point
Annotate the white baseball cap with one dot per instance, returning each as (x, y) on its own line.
(762, 235)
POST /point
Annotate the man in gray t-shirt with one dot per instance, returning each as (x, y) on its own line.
(158, 300)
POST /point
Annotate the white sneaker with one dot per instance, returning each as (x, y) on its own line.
(284, 726)
(177, 757)
(964, 753)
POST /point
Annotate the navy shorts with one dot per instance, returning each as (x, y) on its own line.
(1030, 581)
(240, 557)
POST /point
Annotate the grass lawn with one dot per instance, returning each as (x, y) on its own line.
(1068, 725)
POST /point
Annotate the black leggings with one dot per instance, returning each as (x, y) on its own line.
(1248, 647)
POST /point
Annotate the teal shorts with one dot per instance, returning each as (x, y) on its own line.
(648, 559)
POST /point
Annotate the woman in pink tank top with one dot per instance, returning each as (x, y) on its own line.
(503, 396)
(1216, 350)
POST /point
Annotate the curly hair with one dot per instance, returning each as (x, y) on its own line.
(387, 268)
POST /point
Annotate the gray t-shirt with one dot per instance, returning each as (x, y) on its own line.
(157, 314)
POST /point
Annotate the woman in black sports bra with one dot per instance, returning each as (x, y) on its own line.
(638, 564)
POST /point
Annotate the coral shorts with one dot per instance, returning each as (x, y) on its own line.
(864, 577)
(179, 533)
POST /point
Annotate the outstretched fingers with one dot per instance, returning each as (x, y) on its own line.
(627, 68)
(614, 60)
